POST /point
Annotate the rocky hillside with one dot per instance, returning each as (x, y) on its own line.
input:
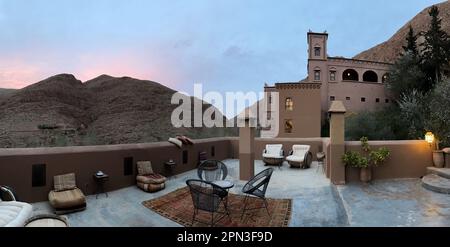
(389, 50)
(62, 110)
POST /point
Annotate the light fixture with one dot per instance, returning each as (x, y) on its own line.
(429, 137)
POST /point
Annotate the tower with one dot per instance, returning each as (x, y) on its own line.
(317, 65)
(317, 45)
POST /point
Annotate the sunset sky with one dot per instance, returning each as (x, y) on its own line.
(227, 45)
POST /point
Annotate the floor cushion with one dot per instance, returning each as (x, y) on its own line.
(67, 199)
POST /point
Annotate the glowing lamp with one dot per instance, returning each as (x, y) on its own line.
(429, 137)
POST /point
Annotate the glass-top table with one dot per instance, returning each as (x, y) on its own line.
(225, 184)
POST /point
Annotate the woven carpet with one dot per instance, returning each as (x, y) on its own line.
(177, 206)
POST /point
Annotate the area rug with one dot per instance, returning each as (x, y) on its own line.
(177, 206)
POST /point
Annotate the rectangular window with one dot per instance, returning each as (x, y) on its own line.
(288, 126)
(213, 151)
(332, 98)
(386, 101)
(363, 99)
(317, 75)
(317, 51)
(347, 98)
(289, 104)
(377, 100)
(332, 75)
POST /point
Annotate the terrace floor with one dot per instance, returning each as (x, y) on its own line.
(316, 202)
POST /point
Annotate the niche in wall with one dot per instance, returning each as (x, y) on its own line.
(38, 175)
(128, 166)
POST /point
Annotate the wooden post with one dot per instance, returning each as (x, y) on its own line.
(337, 142)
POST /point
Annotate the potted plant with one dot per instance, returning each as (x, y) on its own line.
(365, 161)
(438, 155)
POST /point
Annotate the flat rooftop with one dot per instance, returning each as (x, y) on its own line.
(315, 201)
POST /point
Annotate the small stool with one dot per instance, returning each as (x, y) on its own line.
(320, 158)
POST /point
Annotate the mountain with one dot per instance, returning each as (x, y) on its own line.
(389, 50)
(62, 110)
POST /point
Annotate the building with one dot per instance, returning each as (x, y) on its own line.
(357, 83)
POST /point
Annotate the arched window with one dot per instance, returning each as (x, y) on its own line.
(289, 104)
(370, 76)
(350, 75)
(384, 78)
(288, 126)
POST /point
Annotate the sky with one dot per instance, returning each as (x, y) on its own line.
(227, 45)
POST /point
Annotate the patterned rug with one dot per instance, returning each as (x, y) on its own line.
(178, 207)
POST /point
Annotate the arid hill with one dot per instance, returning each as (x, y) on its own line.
(62, 110)
(389, 50)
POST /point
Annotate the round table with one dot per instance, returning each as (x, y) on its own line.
(46, 220)
(225, 184)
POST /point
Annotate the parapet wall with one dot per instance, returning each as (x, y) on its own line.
(16, 165)
(408, 159)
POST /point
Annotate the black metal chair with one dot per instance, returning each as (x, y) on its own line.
(256, 188)
(207, 196)
(212, 170)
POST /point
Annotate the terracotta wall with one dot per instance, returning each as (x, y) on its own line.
(16, 164)
(408, 159)
(306, 114)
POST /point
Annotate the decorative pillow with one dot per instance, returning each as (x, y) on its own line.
(182, 139)
(65, 182)
(176, 142)
(144, 167)
(188, 140)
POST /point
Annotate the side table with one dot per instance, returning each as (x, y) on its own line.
(169, 166)
(100, 180)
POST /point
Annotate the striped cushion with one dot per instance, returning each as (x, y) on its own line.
(65, 182)
(144, 167)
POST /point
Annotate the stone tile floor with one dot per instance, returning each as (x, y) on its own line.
(316, 202)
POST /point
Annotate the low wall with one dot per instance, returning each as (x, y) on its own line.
(408, 159)
(16, 164)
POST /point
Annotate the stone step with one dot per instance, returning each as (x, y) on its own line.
(436, 183)
(443, 172)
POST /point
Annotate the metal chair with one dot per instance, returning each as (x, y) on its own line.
(207, 196)
(212, 170)
(257, 187)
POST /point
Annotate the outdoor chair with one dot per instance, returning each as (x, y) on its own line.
(212, 170)
(207, 197)
(12, 212)
(300, 156)
(273, 154)
(147, 180)
(66, 197)
(256, 187)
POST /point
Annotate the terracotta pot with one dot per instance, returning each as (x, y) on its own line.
(438, 158)
(365, 175)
